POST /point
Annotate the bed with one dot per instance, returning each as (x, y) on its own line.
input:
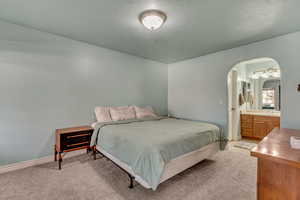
(152, 150)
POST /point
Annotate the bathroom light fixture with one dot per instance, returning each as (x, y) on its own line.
(266, 73)
(152, 19)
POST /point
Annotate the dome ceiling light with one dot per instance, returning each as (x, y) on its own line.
(152, 19)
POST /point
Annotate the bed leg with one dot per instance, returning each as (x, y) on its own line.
(94, 152)
(55, 153)
(59, 160)
(131, 181)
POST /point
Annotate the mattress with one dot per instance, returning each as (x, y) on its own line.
(147, 145)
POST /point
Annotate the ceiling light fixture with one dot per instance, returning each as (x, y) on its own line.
(152, 19)
(266, 73)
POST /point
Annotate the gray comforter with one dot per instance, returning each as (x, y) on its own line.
(146, 145)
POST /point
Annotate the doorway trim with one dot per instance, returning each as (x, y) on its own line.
(230, 123)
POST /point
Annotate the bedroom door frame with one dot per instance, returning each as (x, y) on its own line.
(233, 123)
(233, 108)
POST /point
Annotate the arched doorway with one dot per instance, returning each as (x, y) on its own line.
(254, 87)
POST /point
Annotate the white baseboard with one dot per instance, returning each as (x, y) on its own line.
(38, 161)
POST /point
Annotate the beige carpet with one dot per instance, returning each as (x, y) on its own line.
(245, 145)
(230, 175)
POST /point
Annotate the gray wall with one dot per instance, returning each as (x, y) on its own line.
(49, 82)
(198, 87)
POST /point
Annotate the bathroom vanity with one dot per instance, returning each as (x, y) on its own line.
(257, 124)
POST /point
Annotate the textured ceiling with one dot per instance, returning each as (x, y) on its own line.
(193, 28)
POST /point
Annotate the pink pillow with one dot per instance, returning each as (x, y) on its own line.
(102, 114)
(122, 113)
(144, 112)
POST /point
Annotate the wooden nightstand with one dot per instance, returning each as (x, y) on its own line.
(71, 139)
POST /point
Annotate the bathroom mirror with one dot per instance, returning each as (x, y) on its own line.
(259, 85)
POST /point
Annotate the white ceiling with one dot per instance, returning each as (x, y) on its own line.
(193, 28)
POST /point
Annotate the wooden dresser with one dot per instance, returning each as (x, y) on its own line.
(258, 126)
(278, 168)
(71, 139)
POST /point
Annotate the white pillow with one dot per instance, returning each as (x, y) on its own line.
(144, 112)
(102, 114)
(122, 113)
(93, 125)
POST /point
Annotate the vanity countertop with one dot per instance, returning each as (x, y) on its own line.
(261, 113)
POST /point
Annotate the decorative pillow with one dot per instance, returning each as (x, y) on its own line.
(93, 125)
(122, 113)
(144, 112)
(102, 114)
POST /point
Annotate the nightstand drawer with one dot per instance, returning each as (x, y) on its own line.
(76, 145)
(75, 140)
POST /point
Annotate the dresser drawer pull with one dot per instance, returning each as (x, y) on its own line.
(74, 136)
(70, 145)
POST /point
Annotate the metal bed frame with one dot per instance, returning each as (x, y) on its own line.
(131, 178)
